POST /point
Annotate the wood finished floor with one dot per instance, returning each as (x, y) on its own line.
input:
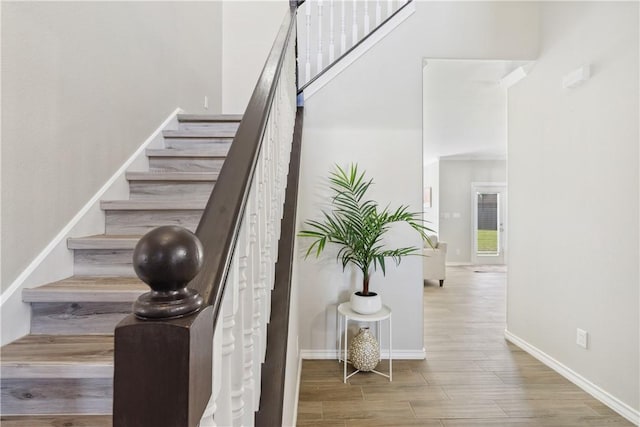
(471, 376)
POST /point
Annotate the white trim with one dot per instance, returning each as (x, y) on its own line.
(344, 62)
(17, 283)
(603, 396)
(297, 394)
(458, 264)
(384, 354)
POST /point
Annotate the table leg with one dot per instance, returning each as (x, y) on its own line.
(379, 334)
(346, 323)
(339, 335)
(390, 352)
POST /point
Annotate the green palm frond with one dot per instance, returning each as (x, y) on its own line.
(358, 225)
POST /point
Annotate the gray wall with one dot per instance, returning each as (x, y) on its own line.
(573, 196)
(83, 85)
(456, 177)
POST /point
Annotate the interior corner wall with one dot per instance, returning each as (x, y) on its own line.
(573, 196)
(371, 113)
(456, 213)
(83, 85)
(248, 31)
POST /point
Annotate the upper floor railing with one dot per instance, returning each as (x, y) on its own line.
(331, 29)
(192, 353)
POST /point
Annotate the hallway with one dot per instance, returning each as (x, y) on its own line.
(472, 376)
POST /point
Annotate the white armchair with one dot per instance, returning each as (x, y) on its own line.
(434, 260)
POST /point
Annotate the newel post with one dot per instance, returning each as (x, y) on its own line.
(163, 352)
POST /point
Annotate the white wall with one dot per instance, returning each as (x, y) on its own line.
(248, 31)
(372, 114)
(456, 214)
(83, 84)
(573, 196)
(465, 108)
(322, 283)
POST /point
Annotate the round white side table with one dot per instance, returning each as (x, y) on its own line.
(345, 314)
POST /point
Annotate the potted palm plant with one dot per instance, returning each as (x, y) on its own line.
(357, 225)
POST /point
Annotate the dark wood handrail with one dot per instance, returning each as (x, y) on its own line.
(274, 368)
(352, 48)
(163, 365)
(218, 229)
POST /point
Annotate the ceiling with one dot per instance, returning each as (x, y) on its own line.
(465, 108)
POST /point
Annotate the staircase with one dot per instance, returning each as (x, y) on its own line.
(61, 374)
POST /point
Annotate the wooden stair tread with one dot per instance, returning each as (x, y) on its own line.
(209, 117)
(58, 356)
(103, 241)
(87, 289)
(199, 133)
(205, 152)
(150, 204)
(172, 176)
(57, 421)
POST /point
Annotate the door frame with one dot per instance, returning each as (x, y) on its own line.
(502, 219)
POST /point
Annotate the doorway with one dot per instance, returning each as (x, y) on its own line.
(489, 223)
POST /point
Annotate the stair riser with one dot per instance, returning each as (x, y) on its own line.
(140, 222)
(225, 126)
(56, 396)
(98, 262)
(188, 143)
(77, 318)
(170, 191)
(185, 164)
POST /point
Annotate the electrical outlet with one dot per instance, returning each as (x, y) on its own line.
(582, 338)
(206, 102)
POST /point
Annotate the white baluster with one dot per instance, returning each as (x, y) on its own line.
(332, 49)
(238, 382)
(389, 7)
(366, 17)
(354, 25)
(319, 59)
(208, 417)
(378, 12)
(257, 286)
(248, 301)
(261, 228)
(224, 414)
(307, 65)
(267, 260)
(343, 34)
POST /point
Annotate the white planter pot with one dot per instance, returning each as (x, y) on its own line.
(369, 304)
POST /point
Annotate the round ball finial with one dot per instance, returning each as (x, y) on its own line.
(166, 259)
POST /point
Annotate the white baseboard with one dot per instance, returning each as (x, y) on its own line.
(603, 396)
(333, 354)
(458, 264)
(360, 50)
(55, 261)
